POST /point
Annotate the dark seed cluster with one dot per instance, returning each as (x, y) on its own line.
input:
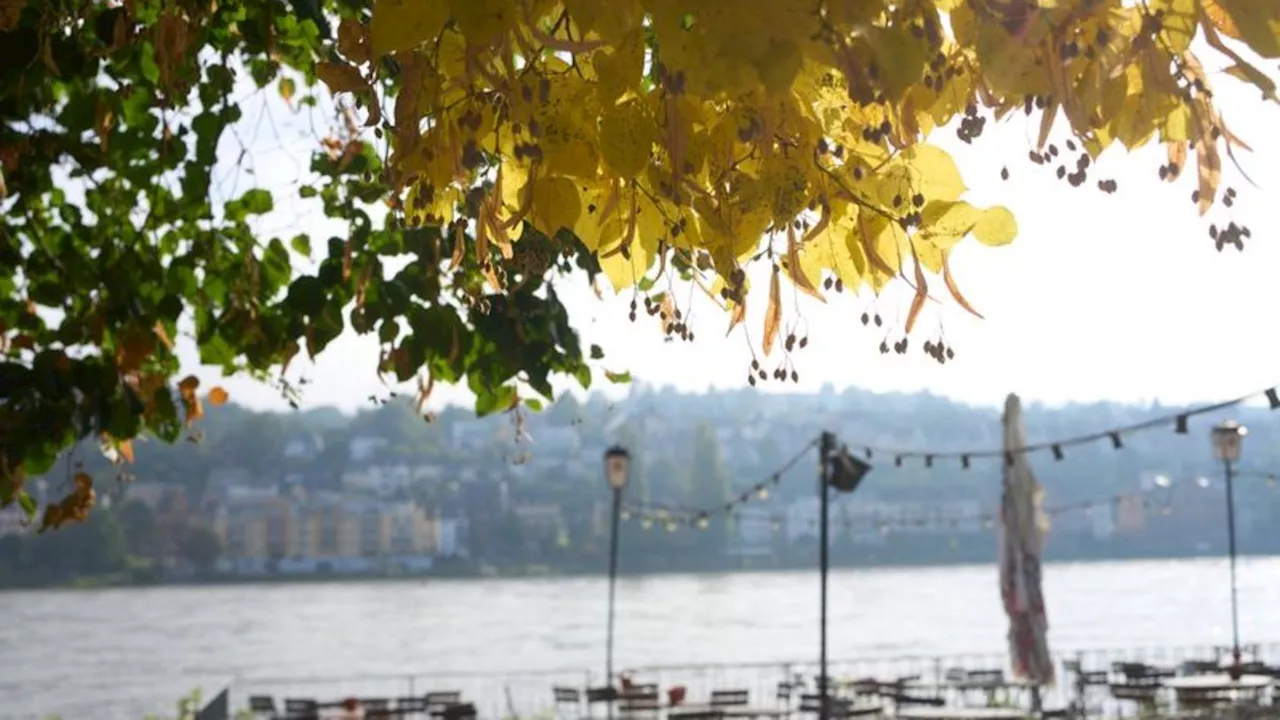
(971, 125)
(939, 351)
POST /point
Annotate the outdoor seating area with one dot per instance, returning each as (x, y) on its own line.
(1089, 685)
(439, 705)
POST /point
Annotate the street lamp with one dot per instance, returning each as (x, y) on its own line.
(617, 468)
(1228, 438)
(842, 472)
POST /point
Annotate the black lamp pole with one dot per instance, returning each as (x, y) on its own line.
(1228, 439)
(1231, 551)
(825, 447)
(617, 465)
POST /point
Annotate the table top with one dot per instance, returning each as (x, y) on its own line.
(1218, 681)
(741, 711)
(961, 713)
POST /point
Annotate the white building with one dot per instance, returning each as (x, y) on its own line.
(364, 448)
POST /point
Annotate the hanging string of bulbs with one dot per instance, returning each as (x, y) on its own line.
(1141, 500)
(673, 517)
(702, 517)
(1115, 436)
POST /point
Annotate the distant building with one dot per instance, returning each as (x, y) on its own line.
(303, 446)
(540, 520)
(363, 448)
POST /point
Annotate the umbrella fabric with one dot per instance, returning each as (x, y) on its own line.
(1023, 526)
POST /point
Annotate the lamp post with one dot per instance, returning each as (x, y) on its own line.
(1228, 438)
(837, 470)
(617, 467)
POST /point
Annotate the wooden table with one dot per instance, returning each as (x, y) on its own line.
(1218, 682)
(734, 711)
(961, 713)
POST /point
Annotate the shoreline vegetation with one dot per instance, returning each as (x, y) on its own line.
(148, 578)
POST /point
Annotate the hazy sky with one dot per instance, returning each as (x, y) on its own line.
(1118, 296)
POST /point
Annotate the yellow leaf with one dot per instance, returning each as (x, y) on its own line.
(341, 77)
(1178, 22)
(1257, 23)
(125, 448)
(946, 223)
(405, 24)
(218, 395)
(627, 133)
(1220, 19)
(188, 385)
(996, 227)
(556, 204)
(795, 270)
(1252, 75)
(772, 313)
(917, 301)
(1209, 169)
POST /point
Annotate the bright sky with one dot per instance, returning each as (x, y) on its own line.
(1120, 297)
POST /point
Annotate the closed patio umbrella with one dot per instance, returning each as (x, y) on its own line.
(1023, 527)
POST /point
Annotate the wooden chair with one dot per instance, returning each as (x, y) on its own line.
(301, 709)
(438, 702)
(640, 703)
(729, 698)
(784, 693)
(409, 705)
(262, 706)
(567, 697)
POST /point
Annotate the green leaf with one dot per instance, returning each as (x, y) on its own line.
(597, 353)
(257, 201)
(533, 404)
(28, 504)
(498, 399)
(618, 378)
(301, 244)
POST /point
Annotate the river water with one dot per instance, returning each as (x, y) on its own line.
(122, 653)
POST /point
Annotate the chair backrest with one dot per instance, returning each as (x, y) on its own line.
(299, 705)
(812, 703)
(443, 699)
(639, 701)
(411, 704)
(993, 676)
(458, 711)
(375, 703)
(601, 694)
(723, 698)
(566, 694)
(262, 704)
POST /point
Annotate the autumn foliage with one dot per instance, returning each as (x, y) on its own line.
(505, 144)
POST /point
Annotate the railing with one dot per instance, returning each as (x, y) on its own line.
(525, 694)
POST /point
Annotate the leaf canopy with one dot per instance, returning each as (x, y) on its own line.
(488, 148)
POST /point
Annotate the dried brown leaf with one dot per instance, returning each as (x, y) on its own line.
(773, 313)
(950, 281)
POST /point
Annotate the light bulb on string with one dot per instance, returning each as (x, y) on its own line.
(703, 522)
(1271, 481)
(626, 514)
(646, 524)
(671, 526)
(762, 492)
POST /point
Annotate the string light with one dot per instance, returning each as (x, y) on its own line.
(1056, 447)
(920, 521)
